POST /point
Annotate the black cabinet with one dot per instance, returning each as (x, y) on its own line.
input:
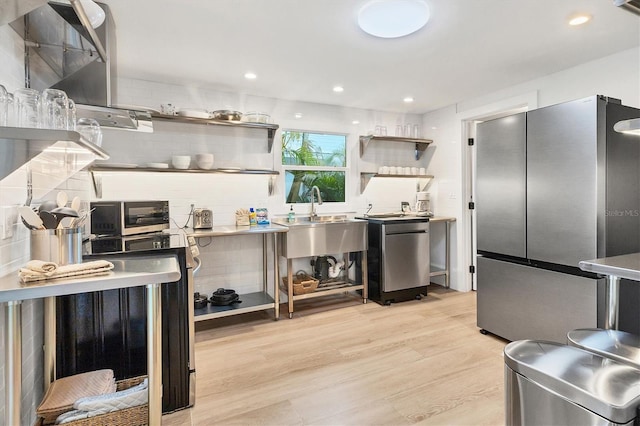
(107, 329)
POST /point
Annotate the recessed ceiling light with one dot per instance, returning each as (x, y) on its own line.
(408, 99)
(250, 76)
(393, 18)
(297, 115)
(338, 89)
(355, 122)
(579, 20)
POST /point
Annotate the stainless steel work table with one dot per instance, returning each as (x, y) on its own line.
(127, 272)
(251, 302)
(616, 267)
(447, 242)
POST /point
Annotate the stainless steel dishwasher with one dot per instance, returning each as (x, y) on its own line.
(398, 258)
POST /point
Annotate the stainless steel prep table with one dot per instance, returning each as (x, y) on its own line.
(616, 267)
(447, 242)
(134, 272)
(253, 301)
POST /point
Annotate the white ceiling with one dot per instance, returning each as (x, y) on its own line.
(300, 49)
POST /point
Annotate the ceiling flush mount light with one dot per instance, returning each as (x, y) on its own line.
(338, 89)
(393, 18)
(630, 127)
(408, 99)
(579, 20)
(250, 76)
(297, 115)
(355, 122)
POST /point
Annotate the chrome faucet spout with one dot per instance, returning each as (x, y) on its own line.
(313, 213)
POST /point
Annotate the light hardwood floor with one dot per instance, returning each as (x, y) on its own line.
(341, 362)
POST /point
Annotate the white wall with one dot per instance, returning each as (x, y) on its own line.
(616, 76)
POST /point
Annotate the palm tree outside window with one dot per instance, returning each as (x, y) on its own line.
(314, 159)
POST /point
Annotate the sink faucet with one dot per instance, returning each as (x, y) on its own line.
(313, 213)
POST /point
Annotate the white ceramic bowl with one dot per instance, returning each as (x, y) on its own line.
(181, 161)
(204, 161)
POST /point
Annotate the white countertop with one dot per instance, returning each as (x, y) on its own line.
(127, 272)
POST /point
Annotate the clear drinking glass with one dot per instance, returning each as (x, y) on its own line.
(54, 109)
(27, 108)
(90, 129)
(4, 106)
(71, 115)
(399, 131)
(11, 114)
(416, 131)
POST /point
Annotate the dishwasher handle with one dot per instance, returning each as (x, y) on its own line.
(406, 228)
(424, 231)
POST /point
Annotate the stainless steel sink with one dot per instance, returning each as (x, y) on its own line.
(309, 221)
(322, 235)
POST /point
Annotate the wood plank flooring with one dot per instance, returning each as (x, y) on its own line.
(341, 362)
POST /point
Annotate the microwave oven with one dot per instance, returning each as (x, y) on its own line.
(128, 217)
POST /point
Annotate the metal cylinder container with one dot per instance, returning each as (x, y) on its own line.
(547, 383)
(62, 246)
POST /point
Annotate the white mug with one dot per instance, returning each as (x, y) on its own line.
(422, 171)
(393, 170)
(414, 170)
(385, 170)
(407, 170)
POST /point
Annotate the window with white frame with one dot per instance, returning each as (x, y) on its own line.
(314, 159)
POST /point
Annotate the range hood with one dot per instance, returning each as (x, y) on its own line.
(632, 6)
(63, 51)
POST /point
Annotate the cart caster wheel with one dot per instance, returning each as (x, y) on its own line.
(290, 315)
(483, 331)
(418, 297)
(387, 303)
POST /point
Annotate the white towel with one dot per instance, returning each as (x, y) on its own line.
(46, 268)
(96, 267)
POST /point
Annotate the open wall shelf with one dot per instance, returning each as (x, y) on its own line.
(421, 144)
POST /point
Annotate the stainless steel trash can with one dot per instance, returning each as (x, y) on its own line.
(547, 383)
(615, 344)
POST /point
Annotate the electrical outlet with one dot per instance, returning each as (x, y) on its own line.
(8, 219)
(452, 195)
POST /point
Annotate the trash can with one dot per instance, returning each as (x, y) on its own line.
(618, 345)
(547, 383)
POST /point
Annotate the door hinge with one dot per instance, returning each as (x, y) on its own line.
(472, 205)
(471, 142)
(472, 269)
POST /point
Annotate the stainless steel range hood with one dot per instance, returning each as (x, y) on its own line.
(632, 6)
(63, 51)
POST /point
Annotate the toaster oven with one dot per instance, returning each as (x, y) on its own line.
(129, 217)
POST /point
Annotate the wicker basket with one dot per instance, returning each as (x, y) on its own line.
(134, 416)
(302, 283)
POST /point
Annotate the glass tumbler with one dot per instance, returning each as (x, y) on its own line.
(54, 109)
(26, 103)
(90, 130)
(71, 115)
(4, 106)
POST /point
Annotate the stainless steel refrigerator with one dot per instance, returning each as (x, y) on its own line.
(554, 186)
